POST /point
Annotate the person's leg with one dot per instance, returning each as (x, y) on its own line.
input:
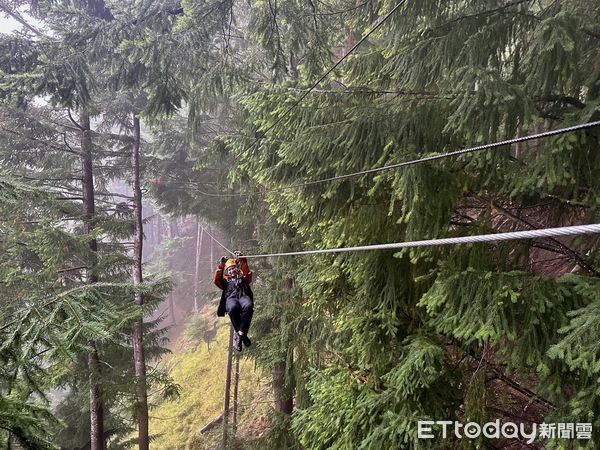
(234, 310)
(247, 309)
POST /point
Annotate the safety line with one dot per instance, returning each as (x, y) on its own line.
(463, 151)
(216, 240)
(494, 237)
(450, 154)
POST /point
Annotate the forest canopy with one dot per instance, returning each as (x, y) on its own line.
(134, 132)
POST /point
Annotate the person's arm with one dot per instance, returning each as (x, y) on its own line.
(245, 270)
(219, 280)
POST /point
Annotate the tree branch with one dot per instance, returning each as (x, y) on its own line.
(74, 121)
(563, 98)
(19, 18)
(566, 250)
(47, 144)
(71, 269)
(514, 384)
(335, 13)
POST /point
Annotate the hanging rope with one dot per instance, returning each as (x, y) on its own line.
(495, 237)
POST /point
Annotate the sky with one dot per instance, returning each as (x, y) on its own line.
(8, 24)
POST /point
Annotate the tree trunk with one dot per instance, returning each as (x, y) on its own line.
(161, 226)
(155, 229)
(212, 252)
(284, 402)
(293, 66)
(141, 408)
(235, 393)
(170, 235)
(173, 231)
(199, 236)
(97, 438)
(282, 390)
(227, 388)
(89, 209)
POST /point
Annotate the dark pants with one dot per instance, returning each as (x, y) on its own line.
(240, 312)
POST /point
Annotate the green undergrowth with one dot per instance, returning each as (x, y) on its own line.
(199, 368)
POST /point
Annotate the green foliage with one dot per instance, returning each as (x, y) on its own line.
(48, 319)
(353, 411)
(373, 342)
(27, 423)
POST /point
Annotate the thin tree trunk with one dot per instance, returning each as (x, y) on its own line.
(97, 441)
(174, 232)
(235, 393)
(284, 403)
(282, 391)
(138, 329)
(169, 227)
(227, 388)
(155, 229)
(161, 225)
(97, 438)
(172, 308)
(199, 236)
(212, 251)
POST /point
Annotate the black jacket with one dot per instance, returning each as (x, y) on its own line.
(234, 288)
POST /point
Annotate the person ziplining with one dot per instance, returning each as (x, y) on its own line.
(233, 277)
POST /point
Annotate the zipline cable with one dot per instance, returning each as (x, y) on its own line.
(451, 154)
(494, 237)
(413, 162)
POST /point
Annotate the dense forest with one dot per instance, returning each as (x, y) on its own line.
(141, 141)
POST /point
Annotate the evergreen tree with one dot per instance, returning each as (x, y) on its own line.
(476, 332)
(68, 86)
(48, 317)
(367, 343)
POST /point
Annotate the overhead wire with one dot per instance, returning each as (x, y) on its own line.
(217, 241)
(493, 237)
(335, 66)
(463, 151)
(413, 162)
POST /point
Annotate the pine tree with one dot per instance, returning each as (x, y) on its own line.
(47, 317)
(67, 84)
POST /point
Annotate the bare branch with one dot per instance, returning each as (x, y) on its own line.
(74, 121)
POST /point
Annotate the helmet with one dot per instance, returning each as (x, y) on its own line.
(230, 262)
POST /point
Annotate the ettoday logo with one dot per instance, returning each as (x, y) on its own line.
(430, 429)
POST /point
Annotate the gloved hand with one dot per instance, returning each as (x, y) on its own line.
(237, 253)
(222, 262)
